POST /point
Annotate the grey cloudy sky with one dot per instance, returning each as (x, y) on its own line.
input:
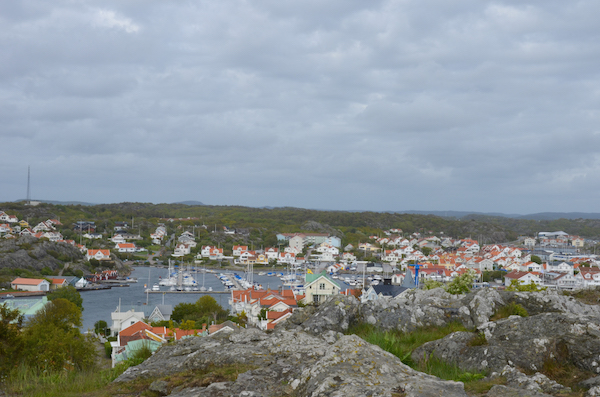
(339, 104)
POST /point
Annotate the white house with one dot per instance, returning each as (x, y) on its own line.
(522, 278)
(30, 284)
(126, 247)
(100, 255)
(181, 250)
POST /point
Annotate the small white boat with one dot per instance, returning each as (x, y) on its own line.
(155, 287)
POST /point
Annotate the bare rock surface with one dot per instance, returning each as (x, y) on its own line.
(292, 363)
(507, 391)
(524, 342)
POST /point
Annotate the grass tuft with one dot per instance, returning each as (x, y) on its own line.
(403, 344)
(511, 309)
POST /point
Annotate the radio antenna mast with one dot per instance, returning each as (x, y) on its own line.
(28, 184)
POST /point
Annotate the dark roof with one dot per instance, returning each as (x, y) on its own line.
(389, 290)
(408, 281)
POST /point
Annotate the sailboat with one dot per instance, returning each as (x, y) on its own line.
(203, 288)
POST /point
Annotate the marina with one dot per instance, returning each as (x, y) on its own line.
(99, 304)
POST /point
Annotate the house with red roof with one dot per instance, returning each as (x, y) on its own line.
(126, 247)
(30, 284)
(238, 249)
(101, 255)
(522, 277)
(58, 283)
(255, 303)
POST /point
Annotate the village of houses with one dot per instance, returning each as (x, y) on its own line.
(328, 269)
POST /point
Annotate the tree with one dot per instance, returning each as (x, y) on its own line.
(536, 259)
(11, 323)
(100, 327)
(184, 311)
(187, 325)
(207, 305)
(69, 293)
(242, 319)
(515, 285)
(52, 340)
(461, 284)
(431, 284)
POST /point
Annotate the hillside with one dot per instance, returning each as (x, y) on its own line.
(264, 222)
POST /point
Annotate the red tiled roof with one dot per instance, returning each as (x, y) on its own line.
(27, 281)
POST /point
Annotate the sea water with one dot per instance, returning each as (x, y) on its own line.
(98, 305)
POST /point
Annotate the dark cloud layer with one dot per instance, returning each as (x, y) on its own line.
(380, 105)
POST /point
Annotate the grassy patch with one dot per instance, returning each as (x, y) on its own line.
(478, 340)
(565, 373)
(204, 377)
(28, 382)
(481, 386)
(512, 309)
(403, 344)
(589, 296)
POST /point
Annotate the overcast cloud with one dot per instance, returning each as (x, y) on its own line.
(338, 104)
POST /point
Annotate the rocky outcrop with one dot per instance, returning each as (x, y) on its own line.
(524, 342)
(31, 253)
(293, 363)
(311, 356)
(415, 309)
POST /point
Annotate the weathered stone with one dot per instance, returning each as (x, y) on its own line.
(593, 392)
(335, 314)
(525, 342)
(589, 383)
(504, 391)
(160, 387)
(311, 356)
(537, 382)
(296, 362)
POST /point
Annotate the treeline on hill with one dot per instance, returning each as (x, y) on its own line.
(263, 222)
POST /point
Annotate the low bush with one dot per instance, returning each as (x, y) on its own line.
(512, 309)
(478, 340)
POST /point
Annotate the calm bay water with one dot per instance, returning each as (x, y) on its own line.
(98, 305)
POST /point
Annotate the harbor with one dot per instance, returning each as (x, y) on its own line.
(99, 304)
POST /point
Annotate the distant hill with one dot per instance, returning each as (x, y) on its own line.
(189, 202)
(541, 216)
(457, 214)
(550, 216)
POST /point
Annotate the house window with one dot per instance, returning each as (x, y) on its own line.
(322, 286)
(316, 298)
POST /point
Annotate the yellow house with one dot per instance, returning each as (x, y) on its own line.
(23, 223)
(319, 287)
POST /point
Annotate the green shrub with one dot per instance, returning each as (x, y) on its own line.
(107, 349)
(461, 284)
(531, 287)
(512, 309)
(478, 340)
